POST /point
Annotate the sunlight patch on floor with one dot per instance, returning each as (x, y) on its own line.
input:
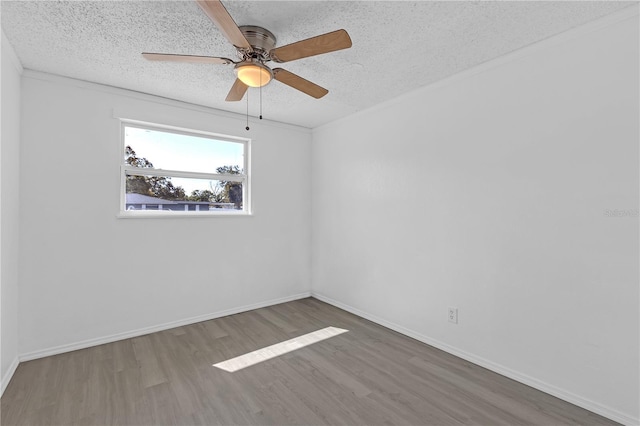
(264, 354)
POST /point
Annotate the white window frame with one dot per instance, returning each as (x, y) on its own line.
(126, 170)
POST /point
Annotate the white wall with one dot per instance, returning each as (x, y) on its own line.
(488, 193)
(87, 275)
(9, 214)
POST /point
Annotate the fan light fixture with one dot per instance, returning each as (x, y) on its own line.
(253, 74)
(255, 46)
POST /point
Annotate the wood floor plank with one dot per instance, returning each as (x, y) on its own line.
(123, 355)
(367, 376)
(278, 320)
(145, 351)
(214, 330)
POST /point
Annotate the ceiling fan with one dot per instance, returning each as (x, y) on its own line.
(255, 46)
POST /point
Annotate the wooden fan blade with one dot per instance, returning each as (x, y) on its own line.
(329, 42)
(299, 83)
(218, 14)
(237, 91)
(186, 58)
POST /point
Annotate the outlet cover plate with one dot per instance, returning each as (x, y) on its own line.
(453, 315)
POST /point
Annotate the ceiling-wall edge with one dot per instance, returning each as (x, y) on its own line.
(589, 27)
(241, 118)
(8, 48)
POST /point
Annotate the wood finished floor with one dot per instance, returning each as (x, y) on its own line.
(367, 376)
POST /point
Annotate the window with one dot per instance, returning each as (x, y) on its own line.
(168, 171)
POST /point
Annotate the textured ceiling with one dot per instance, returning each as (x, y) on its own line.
(397, 45)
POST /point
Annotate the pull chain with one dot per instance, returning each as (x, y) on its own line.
(247, 110)
(260, 96)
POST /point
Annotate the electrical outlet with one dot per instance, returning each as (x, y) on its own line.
(453, 315)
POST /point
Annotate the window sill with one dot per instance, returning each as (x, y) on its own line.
(176, 214)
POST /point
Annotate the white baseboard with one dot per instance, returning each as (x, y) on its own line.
(8, 375)
(161, 327)
(497, 368)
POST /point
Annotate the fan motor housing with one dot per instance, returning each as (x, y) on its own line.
(261, 39)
